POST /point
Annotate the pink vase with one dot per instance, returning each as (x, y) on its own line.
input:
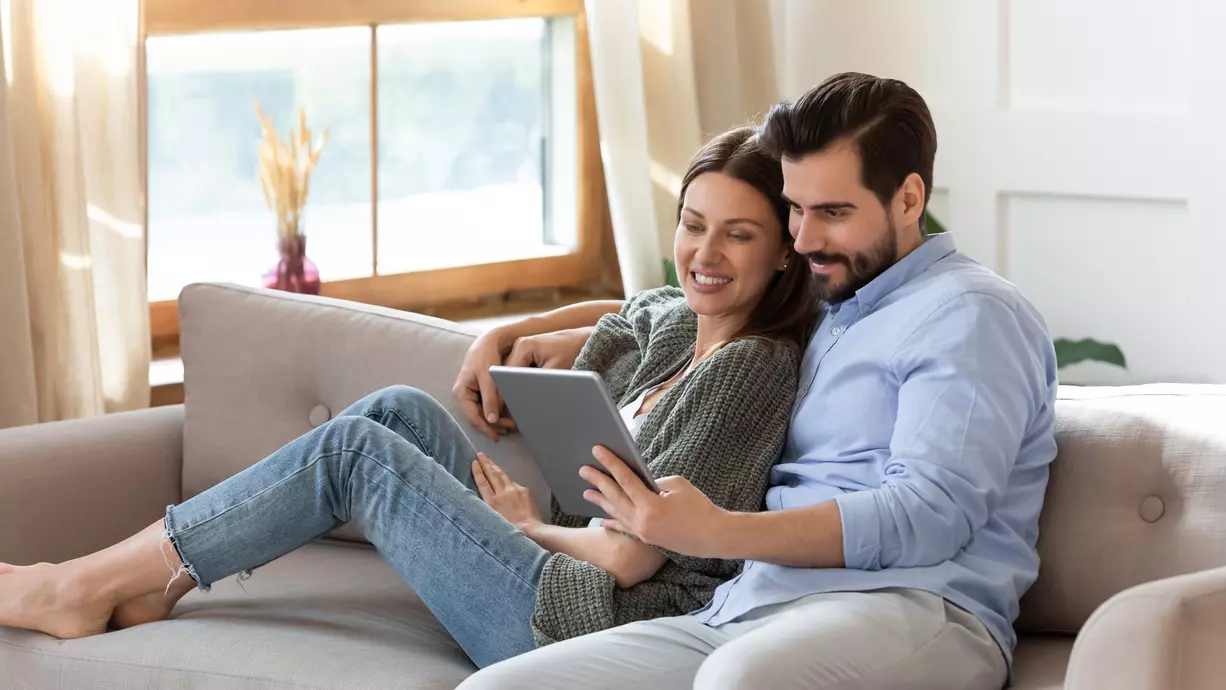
(294, 272)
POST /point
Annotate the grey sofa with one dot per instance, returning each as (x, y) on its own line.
(1128, 597)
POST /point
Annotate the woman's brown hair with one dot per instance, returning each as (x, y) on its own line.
(788, 308)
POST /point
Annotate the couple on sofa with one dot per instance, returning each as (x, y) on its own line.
(887, 399)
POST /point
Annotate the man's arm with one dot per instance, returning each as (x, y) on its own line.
(522, 343)
(970, 384)
(580, 315)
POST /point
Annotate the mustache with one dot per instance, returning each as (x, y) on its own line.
(824, 258)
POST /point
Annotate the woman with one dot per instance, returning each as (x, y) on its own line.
(705, 377)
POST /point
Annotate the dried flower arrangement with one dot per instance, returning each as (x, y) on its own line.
(285, 176)
(285, 169)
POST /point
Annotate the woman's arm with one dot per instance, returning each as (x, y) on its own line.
(522, 343)
(628, 560)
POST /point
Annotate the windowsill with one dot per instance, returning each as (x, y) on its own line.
(165, 372)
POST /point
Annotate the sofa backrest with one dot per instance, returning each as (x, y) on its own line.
(262, 368)
(1137, 493)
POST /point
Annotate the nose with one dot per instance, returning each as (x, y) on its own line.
(709, 251)
(808, 233)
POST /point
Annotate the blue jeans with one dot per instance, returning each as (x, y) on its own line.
(398, 466)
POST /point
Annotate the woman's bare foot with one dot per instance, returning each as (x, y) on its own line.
(49, 599)
(152, 607)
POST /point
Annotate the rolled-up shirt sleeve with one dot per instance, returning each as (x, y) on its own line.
(972, 375)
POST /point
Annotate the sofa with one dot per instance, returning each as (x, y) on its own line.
(1131, 595)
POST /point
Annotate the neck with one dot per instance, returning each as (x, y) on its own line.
(715, 328)
(910, 240)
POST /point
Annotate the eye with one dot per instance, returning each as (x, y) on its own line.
(794, 208)
(833, 213)
(740, 237)
(693, 227)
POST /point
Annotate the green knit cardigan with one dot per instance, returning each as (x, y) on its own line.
(722, 427)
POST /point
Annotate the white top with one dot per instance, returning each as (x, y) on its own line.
(630, 414)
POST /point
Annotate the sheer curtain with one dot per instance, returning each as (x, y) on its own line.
(667, 75)
(74, 329)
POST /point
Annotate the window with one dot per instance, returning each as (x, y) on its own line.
(207, 218)
(461, 158)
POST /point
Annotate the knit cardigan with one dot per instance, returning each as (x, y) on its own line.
(722, 426)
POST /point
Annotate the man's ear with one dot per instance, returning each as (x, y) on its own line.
(909, 201)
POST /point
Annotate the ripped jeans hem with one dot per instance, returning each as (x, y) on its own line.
(170, 538)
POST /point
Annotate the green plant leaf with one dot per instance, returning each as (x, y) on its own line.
(670, 274)
(932, 226)
(1069, 352)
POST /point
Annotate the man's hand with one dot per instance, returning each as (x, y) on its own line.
(557, 350)
(475, 390)
(512, 501)
(680, 518)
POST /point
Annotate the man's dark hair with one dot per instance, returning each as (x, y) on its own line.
(886, 120)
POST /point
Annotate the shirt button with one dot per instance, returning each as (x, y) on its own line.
(836, 331)
(793, 481)
(803, 391)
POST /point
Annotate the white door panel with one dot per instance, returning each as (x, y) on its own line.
(1082, 153)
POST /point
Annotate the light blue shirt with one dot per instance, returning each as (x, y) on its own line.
(925, 410)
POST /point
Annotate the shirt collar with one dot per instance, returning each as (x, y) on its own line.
(935, 248)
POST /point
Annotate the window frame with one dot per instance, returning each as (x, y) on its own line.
(590, 264)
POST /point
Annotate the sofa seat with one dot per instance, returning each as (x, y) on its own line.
(330, 615)
(1040, 661)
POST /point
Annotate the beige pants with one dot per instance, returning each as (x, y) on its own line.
(882, 640)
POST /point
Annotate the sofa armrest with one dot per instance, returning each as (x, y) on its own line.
(1163, 635)
(263, 367)
(69, 488)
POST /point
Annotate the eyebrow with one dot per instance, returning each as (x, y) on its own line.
(825, 206)
(733, 221)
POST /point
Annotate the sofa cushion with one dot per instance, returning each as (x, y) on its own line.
(330, 615)
(1136, 494)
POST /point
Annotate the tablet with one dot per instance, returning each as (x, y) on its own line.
(563, 414)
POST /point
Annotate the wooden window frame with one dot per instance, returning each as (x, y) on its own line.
(590, 264)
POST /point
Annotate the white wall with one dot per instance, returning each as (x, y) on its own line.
(1082, 153)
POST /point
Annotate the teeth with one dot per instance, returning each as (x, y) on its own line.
(709, 280)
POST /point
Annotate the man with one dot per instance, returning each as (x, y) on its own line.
(902, 519)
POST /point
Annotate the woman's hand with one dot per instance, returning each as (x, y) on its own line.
(554, 350)
(475, 390)
(474, 387)
(512, 501)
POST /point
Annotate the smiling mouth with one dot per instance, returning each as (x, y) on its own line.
(709, 280)
(822, 267)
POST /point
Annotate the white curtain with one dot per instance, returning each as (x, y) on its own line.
(74, 329)
(667, 75)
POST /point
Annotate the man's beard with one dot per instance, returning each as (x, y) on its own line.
(861, 268)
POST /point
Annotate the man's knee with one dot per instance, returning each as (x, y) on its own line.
(723, 671)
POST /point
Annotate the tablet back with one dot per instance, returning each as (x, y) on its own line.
(562, 414)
